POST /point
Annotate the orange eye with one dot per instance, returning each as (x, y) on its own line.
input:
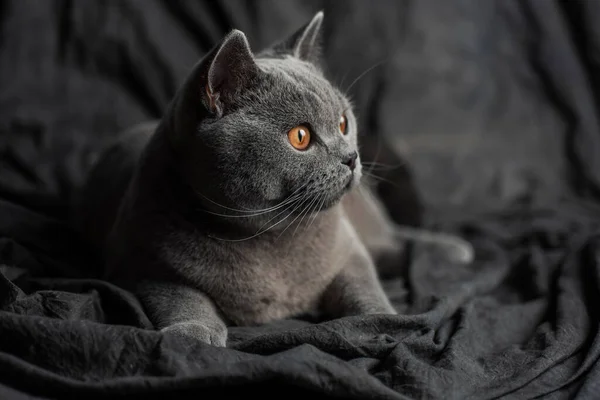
(343, 124)
(299, 137)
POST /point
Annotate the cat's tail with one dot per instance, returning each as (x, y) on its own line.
(458, 250)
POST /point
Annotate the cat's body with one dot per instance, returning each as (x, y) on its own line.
(214, 216)
(272, 276)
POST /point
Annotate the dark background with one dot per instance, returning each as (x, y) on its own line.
(493, 105)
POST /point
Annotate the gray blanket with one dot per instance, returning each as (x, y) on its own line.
(494, 107)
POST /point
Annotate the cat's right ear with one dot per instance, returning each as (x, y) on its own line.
(230, 68)
(305, 43)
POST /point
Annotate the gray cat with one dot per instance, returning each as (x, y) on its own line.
(244, 203)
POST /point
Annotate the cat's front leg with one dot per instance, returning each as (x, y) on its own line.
(356, 289)
(184, 311)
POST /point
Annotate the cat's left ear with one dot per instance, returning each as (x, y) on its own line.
(214, 85)
(305, 43)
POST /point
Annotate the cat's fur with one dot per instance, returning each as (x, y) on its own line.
(168, 202)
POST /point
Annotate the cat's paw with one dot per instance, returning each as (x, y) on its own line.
(380, 309)
(459, 250)
(447, 246)
(214, 335)
(369, 308)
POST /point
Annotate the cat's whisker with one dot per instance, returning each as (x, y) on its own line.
(263, 231)
(319, 205)
(344, 78)
(294, 220)
(273, 209)
(372, 175)
(382, 167)
(313, 212)
(295, 203)
(370, 170)
(371, 165)
(359, 77)
(379, 178)
(307, 211)
(285, 201)
(290, 198)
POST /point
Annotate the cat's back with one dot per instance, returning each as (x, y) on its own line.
(97, 203)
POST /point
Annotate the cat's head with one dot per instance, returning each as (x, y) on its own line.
(266, 130)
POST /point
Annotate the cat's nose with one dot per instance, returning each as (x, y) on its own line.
(350, 160)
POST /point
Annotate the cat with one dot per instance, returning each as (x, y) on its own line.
(244, 203)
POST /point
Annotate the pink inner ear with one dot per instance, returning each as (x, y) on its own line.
(211, 99)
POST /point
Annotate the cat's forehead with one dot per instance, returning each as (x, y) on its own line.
(289, 73)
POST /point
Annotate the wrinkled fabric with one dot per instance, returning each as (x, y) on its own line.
(492, 108)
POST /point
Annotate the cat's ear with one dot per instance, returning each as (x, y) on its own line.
(214, 84)
(230, 69)
(305, 43)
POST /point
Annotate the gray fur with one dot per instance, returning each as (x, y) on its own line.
(175, 228)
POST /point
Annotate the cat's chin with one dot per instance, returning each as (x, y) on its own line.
(352, 182)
